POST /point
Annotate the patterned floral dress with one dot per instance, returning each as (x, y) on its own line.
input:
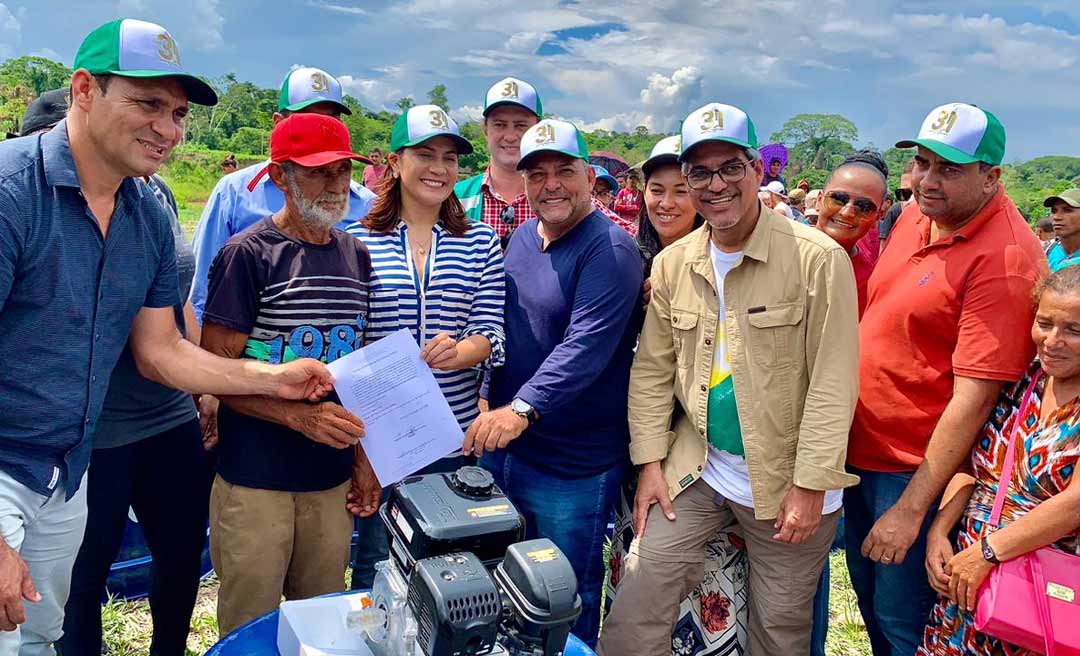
(713, 617)
(1044, 466)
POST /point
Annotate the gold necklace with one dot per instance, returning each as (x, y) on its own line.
(422, 249)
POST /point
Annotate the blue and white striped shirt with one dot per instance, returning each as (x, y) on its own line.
(462, 294)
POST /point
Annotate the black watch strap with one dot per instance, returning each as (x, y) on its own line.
(988, 552)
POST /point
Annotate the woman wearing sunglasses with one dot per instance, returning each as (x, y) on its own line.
(850, 205)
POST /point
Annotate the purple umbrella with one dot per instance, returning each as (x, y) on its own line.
(772, 151)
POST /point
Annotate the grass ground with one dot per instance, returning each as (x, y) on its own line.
(127, 624)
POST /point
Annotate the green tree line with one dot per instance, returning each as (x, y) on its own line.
(241, 122)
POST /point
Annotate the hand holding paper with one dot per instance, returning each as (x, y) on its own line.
(407, 420)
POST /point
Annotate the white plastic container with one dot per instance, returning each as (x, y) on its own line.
(316, 627)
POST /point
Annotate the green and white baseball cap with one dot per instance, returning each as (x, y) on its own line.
(1070, 197)
(961, 133)
(424, 122)
(135, 48)
(512, 91)
(717, 122)
(303, 87)
(666, 151)
(552, 136)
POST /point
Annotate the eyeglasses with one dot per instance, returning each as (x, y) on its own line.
(902, 194)
(700, 177)
(838, 200)
(507, 217)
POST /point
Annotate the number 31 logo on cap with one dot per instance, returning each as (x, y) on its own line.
(945, 122)
(439, 119)
(545, 134)
(167, 50)
(319, 83)
(712, 119)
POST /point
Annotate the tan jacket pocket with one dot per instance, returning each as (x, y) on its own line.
(684, 336)
(774, 333)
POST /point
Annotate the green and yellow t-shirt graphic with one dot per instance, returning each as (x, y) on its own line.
(724, 432)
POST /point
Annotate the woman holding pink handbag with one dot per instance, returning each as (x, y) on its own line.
(1038, 511)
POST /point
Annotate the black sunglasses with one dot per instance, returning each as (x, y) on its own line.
(902, 194)
(839, 200)
(507, 217)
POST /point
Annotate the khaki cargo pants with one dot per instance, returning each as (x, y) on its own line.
(266, 543)
(668, 562)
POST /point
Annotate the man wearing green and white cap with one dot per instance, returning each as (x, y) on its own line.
(233, 207)
(751, 333)
(497, 196)
(1065, 217)
(555, 439)
(947, 323)
(87, 266)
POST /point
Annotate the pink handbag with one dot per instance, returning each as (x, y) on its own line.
(1031, 600)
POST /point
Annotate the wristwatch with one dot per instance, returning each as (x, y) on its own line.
(523, 409)
(988, 552)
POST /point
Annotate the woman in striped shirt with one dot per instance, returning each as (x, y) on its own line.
(437, 273)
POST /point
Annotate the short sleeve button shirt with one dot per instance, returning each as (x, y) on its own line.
(68, 296)
(957, 306)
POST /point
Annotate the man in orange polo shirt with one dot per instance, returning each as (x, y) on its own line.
(947, 323)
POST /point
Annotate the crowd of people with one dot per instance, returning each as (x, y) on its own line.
(721, 366)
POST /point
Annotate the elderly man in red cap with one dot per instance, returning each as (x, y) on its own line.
(290, 286)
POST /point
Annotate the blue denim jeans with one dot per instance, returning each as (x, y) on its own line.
(572, 513)
(370, 540)
(895, 600)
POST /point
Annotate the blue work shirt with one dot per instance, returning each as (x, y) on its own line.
(233, 209)
(573, 313)
(68, 297)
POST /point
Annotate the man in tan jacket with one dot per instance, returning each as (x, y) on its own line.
(741, 397)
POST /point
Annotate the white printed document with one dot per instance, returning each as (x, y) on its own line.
(408, 422)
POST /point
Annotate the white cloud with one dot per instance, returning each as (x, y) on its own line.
(682, 86)
(584, 83)
(664, 101)
(207, 25)
(337, 8)
(378, 94)
(467, 114)
(526, 42)
(624, 122)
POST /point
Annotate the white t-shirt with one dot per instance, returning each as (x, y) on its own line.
(726, 472)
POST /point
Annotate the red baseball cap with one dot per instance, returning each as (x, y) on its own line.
(309, 140)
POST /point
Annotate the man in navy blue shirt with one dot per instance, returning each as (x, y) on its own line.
(556, 439)
(87, 256)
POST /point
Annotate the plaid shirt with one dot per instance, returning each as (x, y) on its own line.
(494, 206)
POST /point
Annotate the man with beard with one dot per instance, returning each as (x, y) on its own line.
(741, 397)
(240, 200)
(292, 285)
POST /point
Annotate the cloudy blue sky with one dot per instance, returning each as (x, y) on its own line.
(621, 64)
